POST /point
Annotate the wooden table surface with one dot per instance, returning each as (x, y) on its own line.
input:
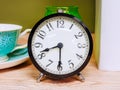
(23, 77)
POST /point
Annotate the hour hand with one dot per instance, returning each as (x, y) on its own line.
(47, 49)
(59, 45)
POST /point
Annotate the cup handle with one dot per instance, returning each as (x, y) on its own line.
(24, 32)
(24, 45)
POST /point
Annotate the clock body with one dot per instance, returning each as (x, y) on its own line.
(67, 31)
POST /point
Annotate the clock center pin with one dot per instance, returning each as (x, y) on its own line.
(60, 45)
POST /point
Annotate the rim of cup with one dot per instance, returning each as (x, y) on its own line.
(9, 27)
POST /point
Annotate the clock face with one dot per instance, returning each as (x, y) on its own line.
(60, 45)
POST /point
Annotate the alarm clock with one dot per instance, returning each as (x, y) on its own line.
(60, 45)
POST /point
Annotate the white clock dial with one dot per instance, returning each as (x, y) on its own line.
(60, 45)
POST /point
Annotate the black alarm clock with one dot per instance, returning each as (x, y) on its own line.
(60, 45)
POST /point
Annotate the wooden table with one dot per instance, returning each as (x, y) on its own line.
(23, 77)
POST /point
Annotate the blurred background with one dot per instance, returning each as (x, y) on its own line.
(28, 12)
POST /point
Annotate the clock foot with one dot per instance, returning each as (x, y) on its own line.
(81, 77)
(40, 77)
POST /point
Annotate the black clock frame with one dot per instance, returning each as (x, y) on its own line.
(51, 75)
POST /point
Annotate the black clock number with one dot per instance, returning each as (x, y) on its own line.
(38, 45)
(79, 56)
(71, 26)
(80, 34)
(79, 45)
(59, 68)
(49, 26)
(41, 55)
(71, 64)
(60, 23)
(50, 62)
(41, 34)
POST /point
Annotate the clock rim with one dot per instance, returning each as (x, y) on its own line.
(56, 76)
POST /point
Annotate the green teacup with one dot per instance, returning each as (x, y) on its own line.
(9, 34)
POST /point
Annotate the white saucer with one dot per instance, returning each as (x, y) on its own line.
(15, 59)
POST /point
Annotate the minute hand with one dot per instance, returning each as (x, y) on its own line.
(59, 67)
